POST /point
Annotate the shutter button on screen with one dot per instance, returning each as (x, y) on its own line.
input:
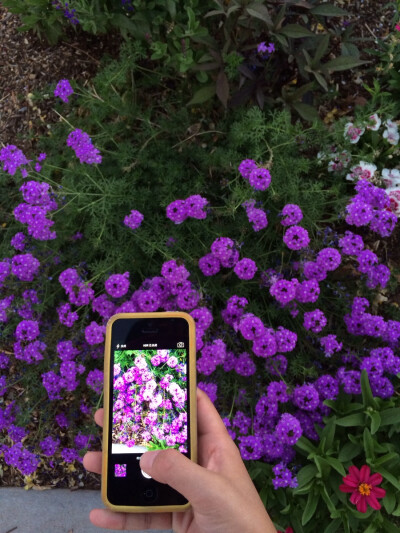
(145, 475)
(150, 495)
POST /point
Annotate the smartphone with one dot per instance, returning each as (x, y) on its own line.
(149, 404)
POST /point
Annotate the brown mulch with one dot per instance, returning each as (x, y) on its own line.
(28, 65)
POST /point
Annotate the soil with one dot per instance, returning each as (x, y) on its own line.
(28, 65)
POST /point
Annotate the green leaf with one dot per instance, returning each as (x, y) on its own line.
(356, 419)
(389, 526)
(371, 529)
(260, 12)
(310, 508)
(321, 80)
(350, 49)
(366, 392)
(390, 416)
(202, 95)
(303, 490)
(375, 422)
(171, 6)
(336, 464)
(342, 63)
(321, 49)
(389, 477)
(389, 502)
(328, 10)
(306, 474)
(296, 31)
(333, 526)
(349, 451)
(368, 444)
(222, 88)
(385, 458)
(329, 503)
(328, 433)
(307, 112)
(305, 445)
(396, 512)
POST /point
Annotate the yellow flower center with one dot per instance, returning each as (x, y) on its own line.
(364, 489)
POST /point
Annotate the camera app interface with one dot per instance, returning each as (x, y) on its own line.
(149, 401)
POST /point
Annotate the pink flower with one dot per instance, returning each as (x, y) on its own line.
(363, 487)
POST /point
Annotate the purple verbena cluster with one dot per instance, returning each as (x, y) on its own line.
(82, 145)
(193, 207)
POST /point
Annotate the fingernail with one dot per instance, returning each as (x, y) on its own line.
(147, 460)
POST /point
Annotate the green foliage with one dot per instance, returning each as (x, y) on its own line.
(374, 439)
(209, 48)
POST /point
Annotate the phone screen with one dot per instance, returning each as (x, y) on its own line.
(148, 405)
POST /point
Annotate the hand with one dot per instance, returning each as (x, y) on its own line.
(222, 496)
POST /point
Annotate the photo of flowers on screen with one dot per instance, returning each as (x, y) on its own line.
(120, 470)
(149, 400)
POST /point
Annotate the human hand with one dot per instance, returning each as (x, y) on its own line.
(222, 496)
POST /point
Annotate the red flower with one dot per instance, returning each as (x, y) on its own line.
(363, 487)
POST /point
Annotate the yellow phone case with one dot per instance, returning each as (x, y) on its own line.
(192, 407)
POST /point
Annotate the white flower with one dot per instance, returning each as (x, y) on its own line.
(394, 196)
(352, 132)
(374, 122)
(391, 177)
(362, 171)
(391, 133)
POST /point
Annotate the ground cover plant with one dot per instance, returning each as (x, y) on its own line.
(280, 239)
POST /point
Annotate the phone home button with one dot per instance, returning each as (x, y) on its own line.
(150, 494)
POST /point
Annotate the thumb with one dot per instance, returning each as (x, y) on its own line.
(193, 481)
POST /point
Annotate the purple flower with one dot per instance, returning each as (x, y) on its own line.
(292, 214)
(244, 365)
(24, 266)
(117, 285)
(277, 391)
(251, 326)
(288, 429)
(378, 275)
(245, 268)
(258, 219)
(134, 219)
(209, 264)
(330, 345)
(251, 448)
(283, 477)
(12, 159)
(81, 143)
(351, 243)
(314, 320)
(195, 205)
(306, 397)
(327, 387)
(283, 290)
(49, 445)
(177, 211)
(246, 166)
(366, 259)
(18, 241)
(66, 316)
(307, 291)
(27, 330)
(296, 238)
(94, 333)
(359, 213)
(265, 344)
(285, 339)
(95, 380)
(329, 259)
(63, 90)
(260, 179)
